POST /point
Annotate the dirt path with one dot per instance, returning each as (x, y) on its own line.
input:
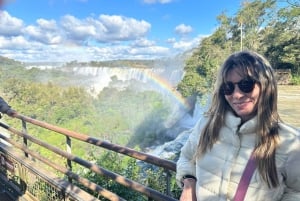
(289, 104)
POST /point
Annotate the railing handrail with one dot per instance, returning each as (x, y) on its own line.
(170, 165)
(149, 192)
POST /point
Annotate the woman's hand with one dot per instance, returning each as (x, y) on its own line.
(10, 112)
(189, 190)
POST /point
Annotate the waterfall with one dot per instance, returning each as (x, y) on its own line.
(160, 77)
(97, 78)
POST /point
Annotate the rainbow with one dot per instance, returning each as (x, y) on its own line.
(164, 84)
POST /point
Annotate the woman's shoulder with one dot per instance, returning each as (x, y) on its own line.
(289, 136)
(288, 130)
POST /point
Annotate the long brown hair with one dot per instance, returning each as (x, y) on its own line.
(258, 68)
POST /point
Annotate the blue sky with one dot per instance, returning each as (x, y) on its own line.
(85, 30)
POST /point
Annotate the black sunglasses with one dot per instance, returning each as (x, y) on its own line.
(245, 85)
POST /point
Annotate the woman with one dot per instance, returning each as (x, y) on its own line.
(242, 123)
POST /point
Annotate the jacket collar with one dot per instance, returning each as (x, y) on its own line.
(234, 122)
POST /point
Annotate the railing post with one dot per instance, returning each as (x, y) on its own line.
(24, 129)
(69, 150)
(168, 180)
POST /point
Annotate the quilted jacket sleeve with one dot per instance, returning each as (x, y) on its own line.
(292, 171)
(4, 107)
(185, 163)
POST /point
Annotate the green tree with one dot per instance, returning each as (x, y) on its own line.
(282, 39)
(249, 21)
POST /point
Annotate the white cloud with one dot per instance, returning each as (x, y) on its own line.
(93, 38)
(171, 40)
(47, 24)
(105, 29)
(183, 29)
(9, 26)
(119, 28)
(147, 51)
(187, 44)
(46, 36)
(143, 42)
(76, 30)
(157, 1)
(14, 42)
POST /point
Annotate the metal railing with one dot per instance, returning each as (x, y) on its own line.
(152, 194)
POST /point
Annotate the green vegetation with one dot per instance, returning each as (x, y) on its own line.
(114, 115)
(152, 177)
(296, 80)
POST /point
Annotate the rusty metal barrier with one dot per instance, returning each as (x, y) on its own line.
(23, 179)
(167, 165)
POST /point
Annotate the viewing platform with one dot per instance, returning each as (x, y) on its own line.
(27, 175)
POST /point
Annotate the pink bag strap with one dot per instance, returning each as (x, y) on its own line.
(245, 179)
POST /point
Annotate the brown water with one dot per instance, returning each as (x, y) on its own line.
(289, 104)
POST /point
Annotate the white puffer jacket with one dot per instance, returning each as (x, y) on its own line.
(219, 171)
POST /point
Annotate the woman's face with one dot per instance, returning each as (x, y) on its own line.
(243, 104)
